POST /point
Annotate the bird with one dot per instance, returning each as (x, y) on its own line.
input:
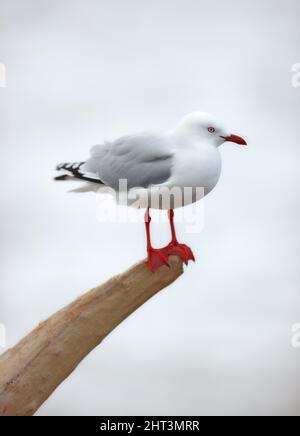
(183, 159)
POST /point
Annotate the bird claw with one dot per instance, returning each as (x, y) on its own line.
(157, 258)
(181, 250)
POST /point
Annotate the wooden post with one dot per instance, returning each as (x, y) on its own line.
(35, 367)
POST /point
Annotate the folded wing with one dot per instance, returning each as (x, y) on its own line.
(143, 160)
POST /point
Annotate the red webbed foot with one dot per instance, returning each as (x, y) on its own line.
(181, 250)
(156, 258)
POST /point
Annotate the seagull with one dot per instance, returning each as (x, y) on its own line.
(186, 157)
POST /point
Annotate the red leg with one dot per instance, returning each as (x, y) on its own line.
(156, 257)
(174, 247)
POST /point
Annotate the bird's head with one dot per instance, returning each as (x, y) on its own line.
(206, 127)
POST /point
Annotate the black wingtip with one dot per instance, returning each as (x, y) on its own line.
(60, 178)
(60, 166)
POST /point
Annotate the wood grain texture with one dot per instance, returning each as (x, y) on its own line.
(36, 366)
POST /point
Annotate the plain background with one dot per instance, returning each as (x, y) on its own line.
(79, 72)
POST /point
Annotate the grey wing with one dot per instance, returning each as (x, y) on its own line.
(142, 159)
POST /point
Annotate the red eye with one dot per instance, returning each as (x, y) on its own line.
(211, 129)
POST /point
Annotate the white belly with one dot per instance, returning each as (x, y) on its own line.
(194, 176)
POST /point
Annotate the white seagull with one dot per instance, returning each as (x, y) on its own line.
(185, 157)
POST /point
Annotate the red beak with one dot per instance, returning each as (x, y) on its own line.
(235, 138)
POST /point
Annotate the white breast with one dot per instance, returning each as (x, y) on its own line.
(200, 167)
(196, 166)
